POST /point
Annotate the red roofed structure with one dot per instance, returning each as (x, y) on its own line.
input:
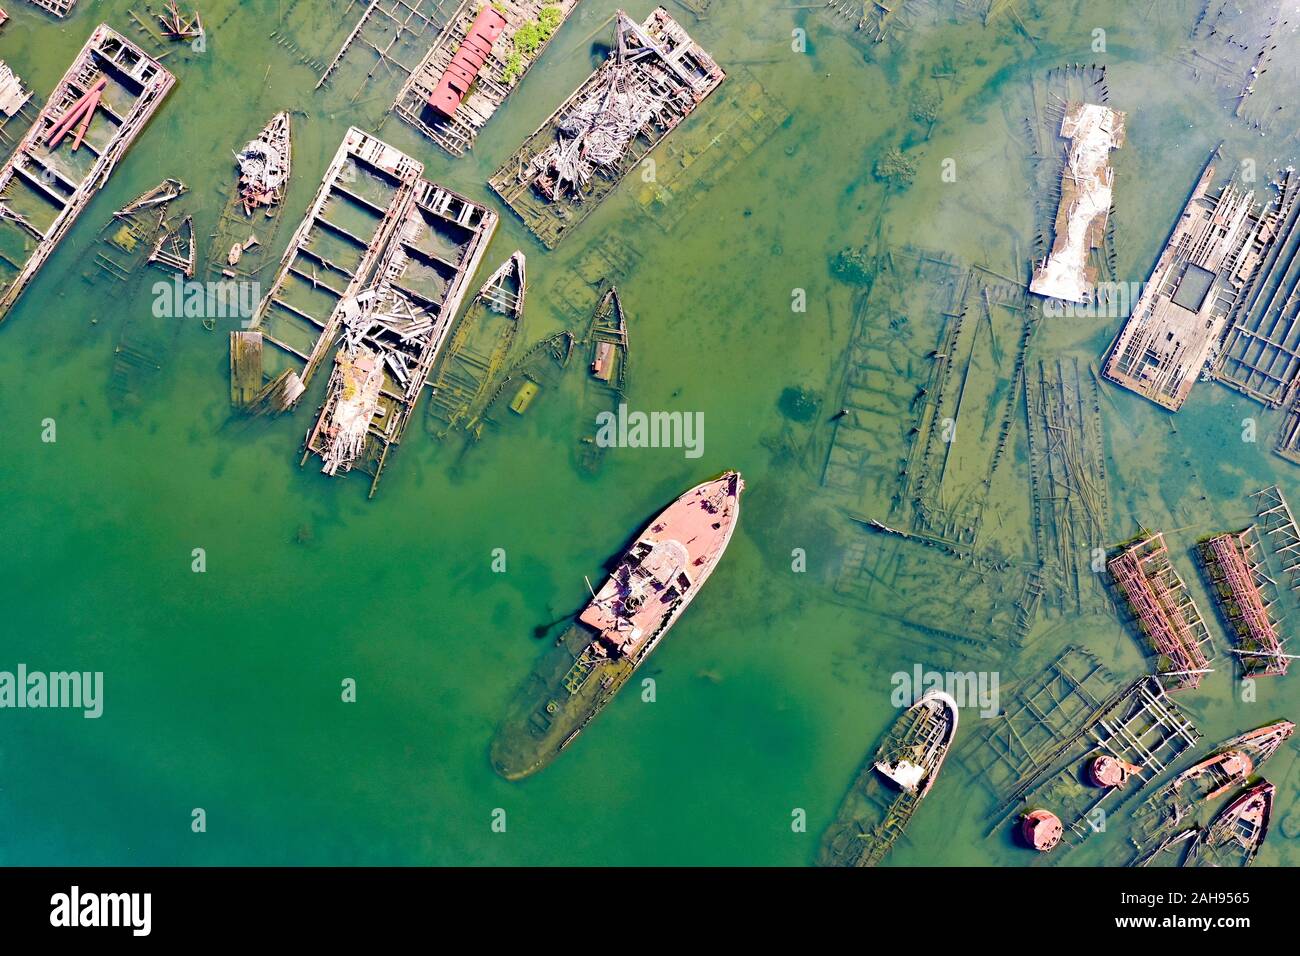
(469, 59)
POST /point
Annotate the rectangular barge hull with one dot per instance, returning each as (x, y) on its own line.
(502, 72)
(655, 77)
(42, 188)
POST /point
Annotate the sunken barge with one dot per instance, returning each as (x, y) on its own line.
(374, 274)
(1218, 301)
(95, 113)
(478, 59)
(655, 77)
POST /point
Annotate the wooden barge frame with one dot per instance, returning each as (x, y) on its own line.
(58, 8)
(56, 179)
(1220, 299)
(497, 79)
(417, 254)
(429, 312)
(280, 312)
(656, 62)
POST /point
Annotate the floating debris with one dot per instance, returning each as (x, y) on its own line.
(874, 814)
(654, 582)
(177, 26)
(175, 248)
(654, 78)
(42, 190)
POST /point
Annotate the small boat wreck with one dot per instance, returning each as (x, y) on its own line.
(1237, 833)
(1086, 195)
(175, 250)
(1230, 765)
(874, 813)
(265, 165)
(128, 237)
(476, 356)
(606, 345)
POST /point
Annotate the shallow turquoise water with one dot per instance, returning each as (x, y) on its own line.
(223, 688)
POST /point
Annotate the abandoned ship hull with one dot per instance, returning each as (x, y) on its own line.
(619, 629)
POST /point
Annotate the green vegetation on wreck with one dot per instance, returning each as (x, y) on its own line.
(528, 39)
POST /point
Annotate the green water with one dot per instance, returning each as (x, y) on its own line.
(222, 689)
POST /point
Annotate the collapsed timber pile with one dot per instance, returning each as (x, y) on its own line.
(1086, 188)
(474, 65)
(399, 322)
(103, 101)
(1212, 300)
(377, 268)
(655, 77)
(1239, 584)
(1165, 610)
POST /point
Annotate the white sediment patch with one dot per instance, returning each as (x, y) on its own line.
(1086, 185)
